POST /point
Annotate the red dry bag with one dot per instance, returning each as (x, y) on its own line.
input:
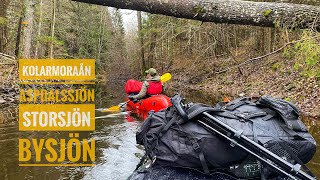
(133, 86)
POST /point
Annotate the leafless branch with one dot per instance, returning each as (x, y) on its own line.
(266, 55)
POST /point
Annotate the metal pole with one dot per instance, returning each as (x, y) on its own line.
(264, 151)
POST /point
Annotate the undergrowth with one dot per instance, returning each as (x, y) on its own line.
(306, 54)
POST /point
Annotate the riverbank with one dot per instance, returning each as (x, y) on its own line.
(273, 76)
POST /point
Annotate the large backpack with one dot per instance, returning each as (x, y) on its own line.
(169, 140)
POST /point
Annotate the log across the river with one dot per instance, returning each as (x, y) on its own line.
(268, 14)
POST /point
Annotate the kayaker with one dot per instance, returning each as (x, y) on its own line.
(151, 86)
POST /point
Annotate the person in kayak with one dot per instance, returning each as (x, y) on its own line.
(151, 86)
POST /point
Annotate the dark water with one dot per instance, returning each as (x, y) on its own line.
(314, 129)
(116, 151)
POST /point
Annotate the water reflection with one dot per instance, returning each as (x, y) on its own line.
(116, 151)
(120, 155)
(314, 129)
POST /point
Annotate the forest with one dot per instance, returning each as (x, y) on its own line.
(215, 50)
(215, 59)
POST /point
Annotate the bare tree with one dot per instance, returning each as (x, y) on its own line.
(3, 24)
(27, 34)
(141, 42)
(39, 29)
(52, 27)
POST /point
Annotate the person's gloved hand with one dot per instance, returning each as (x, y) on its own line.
(131, 97)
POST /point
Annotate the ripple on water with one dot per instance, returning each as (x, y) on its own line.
(119, 159)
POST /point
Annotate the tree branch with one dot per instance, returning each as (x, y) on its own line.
(260, 57)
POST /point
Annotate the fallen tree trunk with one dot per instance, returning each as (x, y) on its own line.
(268, 14)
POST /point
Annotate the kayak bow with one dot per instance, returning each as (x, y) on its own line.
(144, 106)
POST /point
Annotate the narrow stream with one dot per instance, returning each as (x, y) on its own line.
(116, 151)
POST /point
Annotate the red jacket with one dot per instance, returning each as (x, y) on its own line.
(154, 88)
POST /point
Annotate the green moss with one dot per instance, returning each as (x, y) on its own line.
(198, 10)
(311, 61)
(307, 54)
(248, 87)
(296, 66)
(228, 82)
(256, 84)
(318, 75)
(287, 99)
(276, 66)
(267, 12)
(3, 21)
(288, 53)
(290, 86)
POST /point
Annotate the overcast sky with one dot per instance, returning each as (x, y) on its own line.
(129, 20)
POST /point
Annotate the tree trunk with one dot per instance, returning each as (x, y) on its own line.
(17, 50)
(153, 37)
(141, 43)
(100, 40)
(52, 27)
(3, 24)
(39, 30)
(27, 34)
(268, 14)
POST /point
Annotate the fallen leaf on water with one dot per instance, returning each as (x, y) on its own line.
(2, 101)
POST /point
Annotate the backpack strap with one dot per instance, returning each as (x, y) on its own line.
(247, 116)
(198, 150)
(243, 116)
(162, 131)
(255, 132)
(198, 108)
(288, 112)
(237, 103)
(270, 114)
(227, 114)
(158, 135)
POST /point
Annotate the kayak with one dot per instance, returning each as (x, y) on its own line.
(142, 107)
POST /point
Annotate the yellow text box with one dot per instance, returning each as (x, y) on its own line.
(57, 69)
(56, 117)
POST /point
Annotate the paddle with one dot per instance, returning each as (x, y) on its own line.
(164, 78)
(110, 109)
(113, 108)
(112, 115)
